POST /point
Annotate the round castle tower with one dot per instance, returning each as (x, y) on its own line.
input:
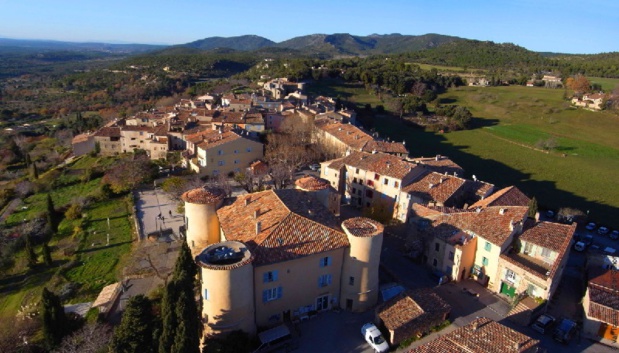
(323, 191)
(360, 271)
(202, 224)
(227, 299)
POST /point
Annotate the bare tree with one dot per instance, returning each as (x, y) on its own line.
(92, 338)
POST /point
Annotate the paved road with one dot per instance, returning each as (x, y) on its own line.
(151, 204)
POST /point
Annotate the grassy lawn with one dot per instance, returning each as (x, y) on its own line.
(80, 253)
(581, 172)
(355, 93)
(608, 84)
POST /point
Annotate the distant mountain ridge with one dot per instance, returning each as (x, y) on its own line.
(36, 45)
(330, 44)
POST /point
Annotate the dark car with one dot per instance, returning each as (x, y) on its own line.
(543, 323)
(565, 331)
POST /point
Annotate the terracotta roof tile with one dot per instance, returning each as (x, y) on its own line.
(348, 134)
(385, 147)
(420, 308)
(488, 223)
(481, 335)
(604, 296)
(203, 195)
(108, 132)
(312, 183)
(363, 227)
(509, 196)
(293, 223)
(439, 164)
(435, 187)
(381, 163)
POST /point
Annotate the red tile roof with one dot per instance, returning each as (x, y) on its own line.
(203, 196)
(420, 308)
(439, 164)
(481, 335)
(435, 187)
(348, 134)
(381, 163)
(604, 297)
(108, 132)
(385, 147)
(216, 138)
(363, 227)
(488, 223)
(311, 183)
(509, 196)
(293, 224)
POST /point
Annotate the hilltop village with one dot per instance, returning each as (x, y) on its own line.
(362, 226)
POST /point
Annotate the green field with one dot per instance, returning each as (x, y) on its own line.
(608, 84)
(581, 172)
(80, 252)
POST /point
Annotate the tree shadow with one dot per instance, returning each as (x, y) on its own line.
(85, 251)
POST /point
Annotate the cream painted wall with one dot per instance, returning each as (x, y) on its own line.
(224, 163)
(299, 281)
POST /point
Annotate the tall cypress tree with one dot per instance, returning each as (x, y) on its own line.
(47, 256)
(30, 254)
(532, 208)
(54, 319)
(182, 327)
(52, 215)
(135, 332)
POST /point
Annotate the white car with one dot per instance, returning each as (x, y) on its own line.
(314, 167)
(580, 246)
(374, 337)
(602, 230)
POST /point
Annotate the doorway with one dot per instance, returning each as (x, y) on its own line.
(322, 302)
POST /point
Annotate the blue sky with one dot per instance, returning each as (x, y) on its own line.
(590, 26)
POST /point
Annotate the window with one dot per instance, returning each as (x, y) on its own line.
(248, 149)
(510, 275)
(437, 246)
(396, 184)
(206, 297)
(488, 246)
(370, 183)
(354, 180)
(367, 204)
(271, 294)
(351, 281)
(354, 191)
(324, 280)
(377, 177)
(357, 171)
(325, 261)
(484, 261)
(220, 163)
(386, 181)
(236, 161)
(546, 252)
(220, 152)
(451, 255)
(270, 276)
(434, 262)
(236, 151)
(369, 193)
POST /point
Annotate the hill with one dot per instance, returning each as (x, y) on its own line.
(32, 46)
(243, 43)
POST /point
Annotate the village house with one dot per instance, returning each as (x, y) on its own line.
(83, 144)
(296, 257)
(481, 335)
(370, 179)
(590, 101)
(440, 164)
(221, 151)
(411, 313)
(279, 88)
(601, 304)
(109, 141)
(534, 264)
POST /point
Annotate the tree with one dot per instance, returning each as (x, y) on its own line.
(92, 338)
(175, 186)
(135, 332)
(579, 84)
(181, 325)
(34, 172)
(129, 172)
(533, 208)
(47, 256)
(30, 254)
(55, 322)
(52, 216)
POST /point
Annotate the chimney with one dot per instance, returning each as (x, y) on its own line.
(373, 151)
(258, 227)
(440, 181)
(438, 156)
(247, 201)
(475, 325)
(502, 211)
(430, 186)
(474, 177)
(517, 345)
(256, 213)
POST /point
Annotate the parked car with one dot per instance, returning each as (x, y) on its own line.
(580, 246)
(614, 235)
(587, 239)
(314, 167)
(565, 331)
(550, 214)
(590, 226)
(602, 230)
(543, 323)
(374, 337)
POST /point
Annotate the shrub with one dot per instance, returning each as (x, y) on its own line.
(74, 212)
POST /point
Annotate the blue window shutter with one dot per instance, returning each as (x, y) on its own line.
(279, 292)
(329, 260)
(264, 296)
(322, 264)
(328, 279)
(275, 275)
(265, 277)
